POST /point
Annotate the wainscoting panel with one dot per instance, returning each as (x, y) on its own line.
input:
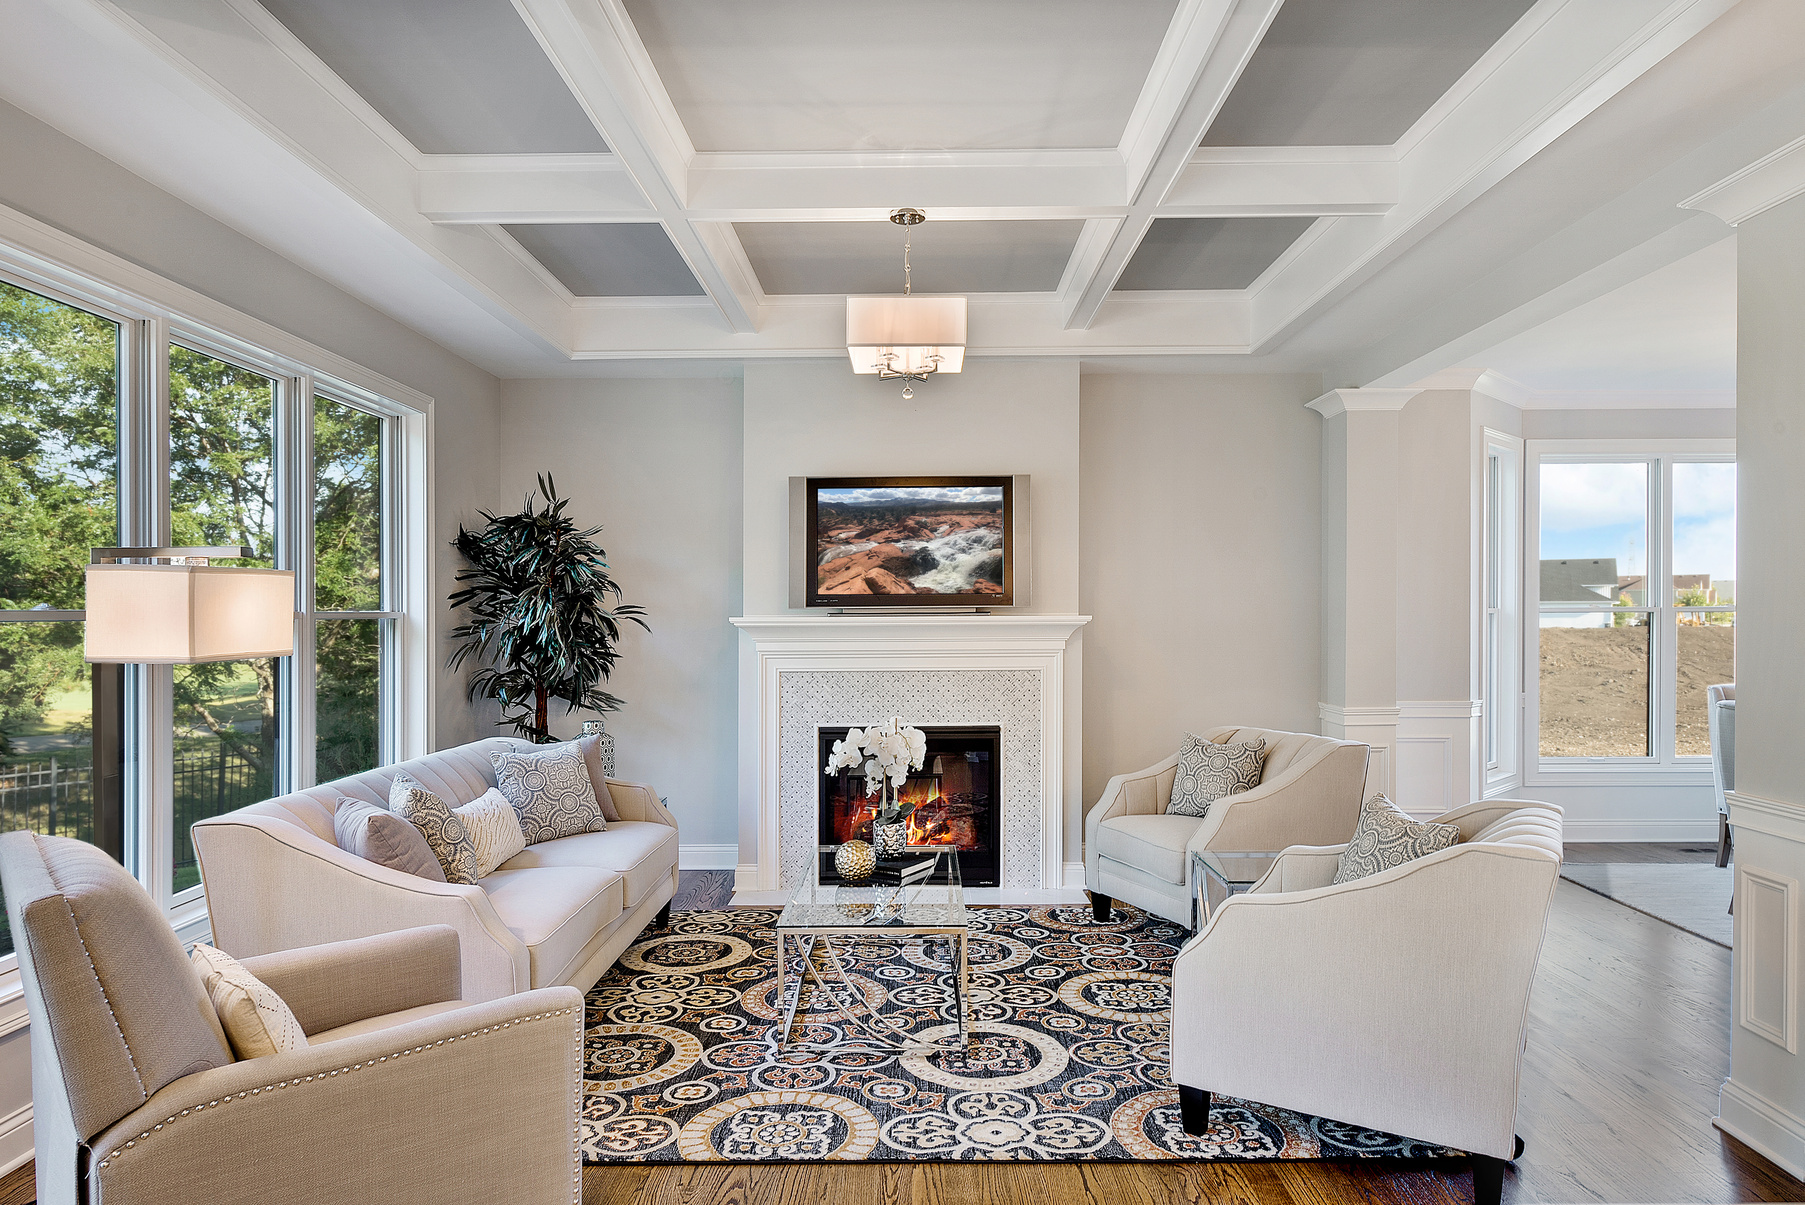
(1767, 912)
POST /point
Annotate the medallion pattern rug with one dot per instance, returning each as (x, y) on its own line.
(1067, 1058)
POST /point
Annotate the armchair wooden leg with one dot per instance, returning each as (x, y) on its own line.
(1488, 1180)
(1100, 905)
(663, 919)
(1193, 1110)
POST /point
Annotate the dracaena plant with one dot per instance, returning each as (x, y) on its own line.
(540, 627)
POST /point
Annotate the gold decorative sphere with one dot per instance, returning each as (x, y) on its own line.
(855, 860)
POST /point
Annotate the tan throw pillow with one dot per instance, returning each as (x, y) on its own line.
(492, 823)
(550, 790)
(377, 834)
(1386, 837)
(257, 1021)
(598, 777)
(443, 830)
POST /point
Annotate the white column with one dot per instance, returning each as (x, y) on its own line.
(1763, 1101)
(1360, 469)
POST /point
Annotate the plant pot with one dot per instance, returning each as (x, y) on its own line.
(605, 745)
(890, 839)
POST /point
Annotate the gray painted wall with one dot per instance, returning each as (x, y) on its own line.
(1435, 547)
(1198, 560)
(657, 463)
(1629, 424)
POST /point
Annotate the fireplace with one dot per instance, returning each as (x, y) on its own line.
(957, 795)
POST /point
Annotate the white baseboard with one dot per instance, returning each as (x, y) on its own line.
(1074, 875)
(1752, 1119)
(1703, 832)
(707, 857)
(15, 1139)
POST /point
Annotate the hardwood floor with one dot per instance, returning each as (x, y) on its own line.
(1642, 851)
(1629, 1039)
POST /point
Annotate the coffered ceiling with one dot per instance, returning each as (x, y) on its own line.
(543, 184)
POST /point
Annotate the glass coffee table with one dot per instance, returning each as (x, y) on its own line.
(1217, 874)
(931, 910)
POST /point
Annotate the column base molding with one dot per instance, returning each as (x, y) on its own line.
(1774, 1132)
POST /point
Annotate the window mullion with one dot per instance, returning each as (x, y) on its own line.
(294, 524)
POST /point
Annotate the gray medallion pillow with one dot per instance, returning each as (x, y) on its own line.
(1207, 772)
(451, 842)
(550, 789)
(1386, 837)
(379, 835)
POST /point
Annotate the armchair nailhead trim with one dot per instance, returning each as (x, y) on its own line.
(129, 1144)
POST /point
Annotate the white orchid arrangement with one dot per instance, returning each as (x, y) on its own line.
(885, 755)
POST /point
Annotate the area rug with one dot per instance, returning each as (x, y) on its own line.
(1694, 896)
(1067, 1060)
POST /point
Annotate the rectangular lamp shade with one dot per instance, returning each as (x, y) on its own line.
(915, 328)
(181, 614)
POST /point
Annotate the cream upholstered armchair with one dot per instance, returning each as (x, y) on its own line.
(403, 1094)
(1309, 794)
(1398, 1001)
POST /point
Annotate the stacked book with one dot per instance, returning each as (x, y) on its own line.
(903, 872)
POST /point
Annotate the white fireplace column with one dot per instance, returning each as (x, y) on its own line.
(814, 671)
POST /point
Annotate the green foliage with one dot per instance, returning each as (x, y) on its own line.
(540, 628)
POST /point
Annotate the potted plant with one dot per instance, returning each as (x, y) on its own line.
(885, 755)
(537, 590)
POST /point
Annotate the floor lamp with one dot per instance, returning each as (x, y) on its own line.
(169, 606)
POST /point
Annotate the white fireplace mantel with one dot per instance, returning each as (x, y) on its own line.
(1006, 669)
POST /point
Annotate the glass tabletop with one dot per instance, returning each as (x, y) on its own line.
(1239, 868)
(936, 902)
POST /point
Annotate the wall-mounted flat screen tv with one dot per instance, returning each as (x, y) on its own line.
(910, 541)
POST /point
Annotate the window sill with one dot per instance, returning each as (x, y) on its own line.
(1579, 771)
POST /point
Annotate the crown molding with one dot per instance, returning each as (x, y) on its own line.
(1771, 180)
(1337, 402)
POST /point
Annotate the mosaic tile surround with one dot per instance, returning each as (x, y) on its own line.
(812, 699)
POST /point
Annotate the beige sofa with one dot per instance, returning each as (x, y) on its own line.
(1309, 794)
(1398, 1002)
(559, 912)
(404, 1093)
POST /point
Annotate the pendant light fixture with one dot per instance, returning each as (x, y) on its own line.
(906, 338)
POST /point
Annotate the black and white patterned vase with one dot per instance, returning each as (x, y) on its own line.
(604, 742)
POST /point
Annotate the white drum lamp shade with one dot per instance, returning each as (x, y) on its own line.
(182, 614)
(913, 328)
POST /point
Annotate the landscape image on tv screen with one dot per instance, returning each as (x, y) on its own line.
(909, 540)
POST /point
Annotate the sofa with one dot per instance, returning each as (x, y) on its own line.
(1309, 794)
(1398, 1001)
(558, 913)
(403, 1093)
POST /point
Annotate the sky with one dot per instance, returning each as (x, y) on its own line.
(1600, 510)
(963, 493)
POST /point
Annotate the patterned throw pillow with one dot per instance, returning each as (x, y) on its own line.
(444, 831)
(1207, 772)
(257, 1021)
(495, 827)
(380, 836)
(550, 790)
(1386, 837)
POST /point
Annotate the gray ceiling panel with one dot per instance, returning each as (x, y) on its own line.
(1356, 72)
(1209, 253)
(613, 259)
(948, 257)
(833, 75)
(456, 77)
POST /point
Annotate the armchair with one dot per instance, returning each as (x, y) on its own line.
(1397, 1002)
(1309, 793)
(403, 1094)
(1720, 714)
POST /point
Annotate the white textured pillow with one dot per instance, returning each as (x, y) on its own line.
(495, 827)
(257, 1021)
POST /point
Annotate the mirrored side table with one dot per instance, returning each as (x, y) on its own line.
(1217, 874)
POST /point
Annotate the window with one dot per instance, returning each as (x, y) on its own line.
(150, 418)
(1500, 632)
(1635, 580)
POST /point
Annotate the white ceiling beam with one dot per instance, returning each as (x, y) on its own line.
(953, 186)
(1554, 68)
(1205, 50)
(488, 189)
(595, 48)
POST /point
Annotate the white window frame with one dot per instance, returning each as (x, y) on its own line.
(1663, 767)
(1500, 630)
(153, 312)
